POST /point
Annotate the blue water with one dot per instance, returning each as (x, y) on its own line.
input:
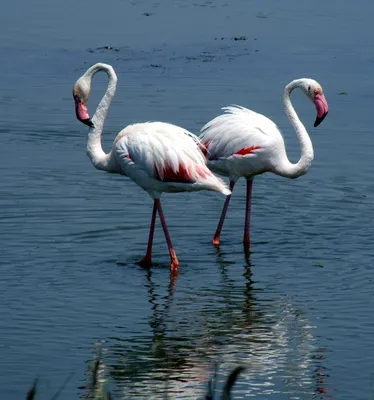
(298, 313)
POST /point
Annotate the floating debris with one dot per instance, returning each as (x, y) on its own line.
(234, 38)
(103, 48)
(342, 93)
(240, 38)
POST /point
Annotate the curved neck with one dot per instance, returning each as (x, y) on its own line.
(285, 167)
(95, 151)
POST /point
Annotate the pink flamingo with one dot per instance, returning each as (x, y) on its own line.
(157, 156)
(242, 142)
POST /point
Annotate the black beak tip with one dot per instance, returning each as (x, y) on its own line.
(88, 122)
(319, 120)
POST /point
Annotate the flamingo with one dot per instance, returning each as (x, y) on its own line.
(157, 156)
(241, 142)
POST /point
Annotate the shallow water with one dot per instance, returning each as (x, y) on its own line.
(298, 313)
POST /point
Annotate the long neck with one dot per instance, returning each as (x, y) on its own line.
(285, 167)
(94, 148)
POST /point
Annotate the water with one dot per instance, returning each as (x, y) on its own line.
(299, 312)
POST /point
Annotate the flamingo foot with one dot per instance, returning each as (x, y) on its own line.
(216, 241)
(146, 261)
(174, 262)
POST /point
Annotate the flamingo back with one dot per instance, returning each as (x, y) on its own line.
(241, 142)
(239, 131)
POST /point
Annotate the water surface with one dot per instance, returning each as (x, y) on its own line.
(298, 312)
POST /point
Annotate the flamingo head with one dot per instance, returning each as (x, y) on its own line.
(81, 93)
(314, 92)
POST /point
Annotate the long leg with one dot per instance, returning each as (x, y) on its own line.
(246, 238)
(217, 235)
(147, 259)
(173, 257)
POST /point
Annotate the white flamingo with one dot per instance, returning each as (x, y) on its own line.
(242, 142)
(157, 156)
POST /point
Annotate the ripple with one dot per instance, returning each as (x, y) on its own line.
(297, 311)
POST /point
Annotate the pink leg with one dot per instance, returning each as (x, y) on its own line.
(246, 238)
(217, 235)
(147, 259)
(173, 257)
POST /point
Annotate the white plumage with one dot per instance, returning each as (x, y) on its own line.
(161, 157)
(241, 142)
(238, 127)
(158, 156)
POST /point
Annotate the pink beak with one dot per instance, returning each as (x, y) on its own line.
(321, 107)
(81, 112)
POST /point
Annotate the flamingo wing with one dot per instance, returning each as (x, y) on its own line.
(165, 153)
(238, 132)
(162, 150)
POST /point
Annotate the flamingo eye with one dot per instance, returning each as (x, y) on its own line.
(309, 87)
